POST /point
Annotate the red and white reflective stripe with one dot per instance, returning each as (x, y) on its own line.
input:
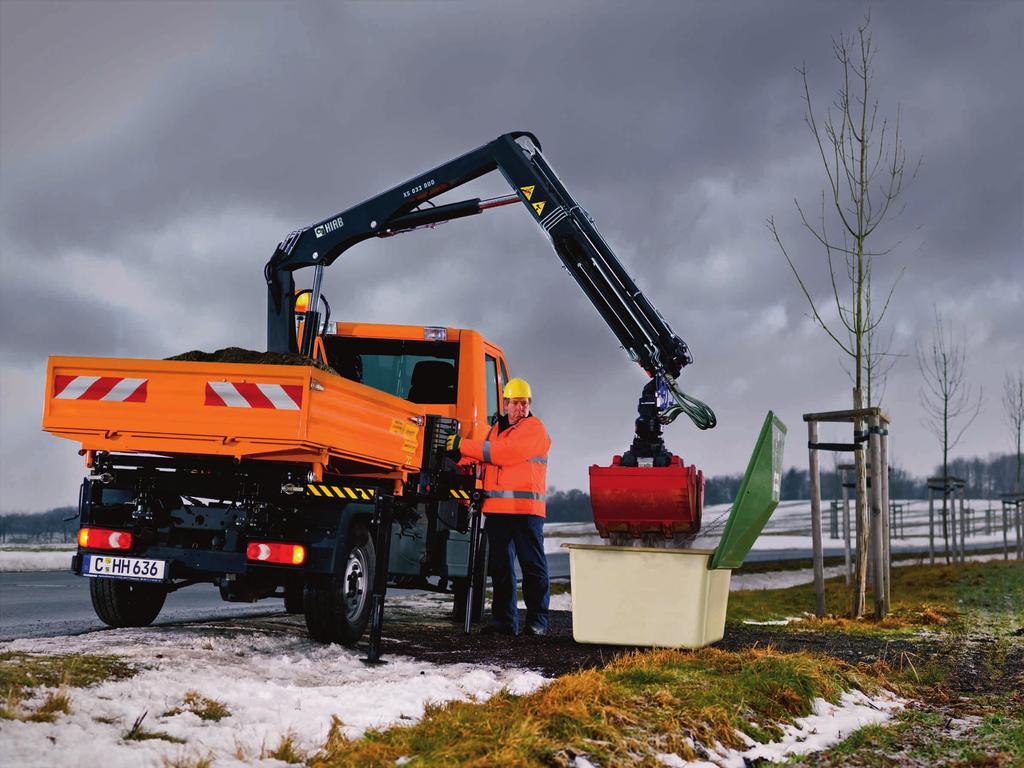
(111, 389)
(232, 394)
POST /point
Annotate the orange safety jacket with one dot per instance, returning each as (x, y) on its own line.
(515, 467)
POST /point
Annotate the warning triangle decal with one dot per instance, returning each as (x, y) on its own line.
(539, 208)
(527, 191)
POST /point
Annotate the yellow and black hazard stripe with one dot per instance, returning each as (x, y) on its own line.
(459, 494)
(345, 492)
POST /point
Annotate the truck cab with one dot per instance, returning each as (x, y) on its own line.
(457, 372)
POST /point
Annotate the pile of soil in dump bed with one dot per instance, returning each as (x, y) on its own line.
(239, 355)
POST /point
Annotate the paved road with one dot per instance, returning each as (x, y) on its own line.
(49, 603)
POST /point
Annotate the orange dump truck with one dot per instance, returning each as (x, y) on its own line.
(263, 478)
(321, 487)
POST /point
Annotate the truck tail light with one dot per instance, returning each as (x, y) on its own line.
(276, 552)
(104, 538)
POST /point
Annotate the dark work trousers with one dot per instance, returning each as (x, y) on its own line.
(509, 536)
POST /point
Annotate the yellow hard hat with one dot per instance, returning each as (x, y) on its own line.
(517, 388)
(302, 302)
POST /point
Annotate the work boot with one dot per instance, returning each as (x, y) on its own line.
(535, 630)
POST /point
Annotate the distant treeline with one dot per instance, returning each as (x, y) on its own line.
(48, 527)
(986, 479)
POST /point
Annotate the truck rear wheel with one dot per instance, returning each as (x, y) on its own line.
(337, 607)
(120, 603)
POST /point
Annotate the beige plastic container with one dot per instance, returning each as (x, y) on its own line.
(650, 597)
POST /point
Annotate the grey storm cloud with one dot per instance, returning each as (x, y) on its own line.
(154, 153)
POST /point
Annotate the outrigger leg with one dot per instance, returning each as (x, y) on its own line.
(474, 556)
(383, 514)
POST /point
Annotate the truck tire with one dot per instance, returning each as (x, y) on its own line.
(120, 603)
(479, 588)
(337, 607)
(294, 598)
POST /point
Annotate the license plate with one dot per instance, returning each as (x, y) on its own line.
(135, 568)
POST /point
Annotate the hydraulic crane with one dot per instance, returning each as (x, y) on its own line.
(647, 490)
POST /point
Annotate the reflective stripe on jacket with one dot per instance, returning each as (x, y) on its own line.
(515, 467)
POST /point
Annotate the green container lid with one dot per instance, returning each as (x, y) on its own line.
(757, 498)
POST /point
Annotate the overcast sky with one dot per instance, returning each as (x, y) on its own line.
(153, 154)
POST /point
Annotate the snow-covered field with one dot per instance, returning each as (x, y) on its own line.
(49, 557)
(790, 528)
(272, 685)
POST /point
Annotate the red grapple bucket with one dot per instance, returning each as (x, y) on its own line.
(646, 500)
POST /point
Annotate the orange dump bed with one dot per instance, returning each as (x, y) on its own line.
(275, 412)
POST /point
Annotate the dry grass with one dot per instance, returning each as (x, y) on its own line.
(900, 618)
(922, 596)
(287, 750)
(187, 761)
(202, 707)
(56, 703)
(641, 704)
(138, 733)
(9, 710)
(30, 670)
(14, 708)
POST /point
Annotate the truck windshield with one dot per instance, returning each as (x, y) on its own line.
(418, 371)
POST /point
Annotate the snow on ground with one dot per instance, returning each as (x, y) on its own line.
(276, 685)
(790, 527)
(53, 557)
(271, 685)
(828, 724)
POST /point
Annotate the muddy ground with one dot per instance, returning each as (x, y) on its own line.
(986, 676)
(942, 725)
(980, 664)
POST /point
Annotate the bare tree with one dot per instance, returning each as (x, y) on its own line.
(1013, 406)
(946, 398)
(879, 357)
(864, 160)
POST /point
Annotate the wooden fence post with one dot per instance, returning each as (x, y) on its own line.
(819, 560)
(1020, 529)
(1006, 531)
(963, 524)
(883, 472)
(861, 570)
(846, 527)
(931, 526)
(877, 549)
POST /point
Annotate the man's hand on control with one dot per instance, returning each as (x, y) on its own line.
(452, 443)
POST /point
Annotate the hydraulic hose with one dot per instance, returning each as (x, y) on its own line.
(700, 413)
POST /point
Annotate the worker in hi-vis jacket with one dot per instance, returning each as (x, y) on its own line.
(514, 458)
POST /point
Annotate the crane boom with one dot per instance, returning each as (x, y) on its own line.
(641, 330)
